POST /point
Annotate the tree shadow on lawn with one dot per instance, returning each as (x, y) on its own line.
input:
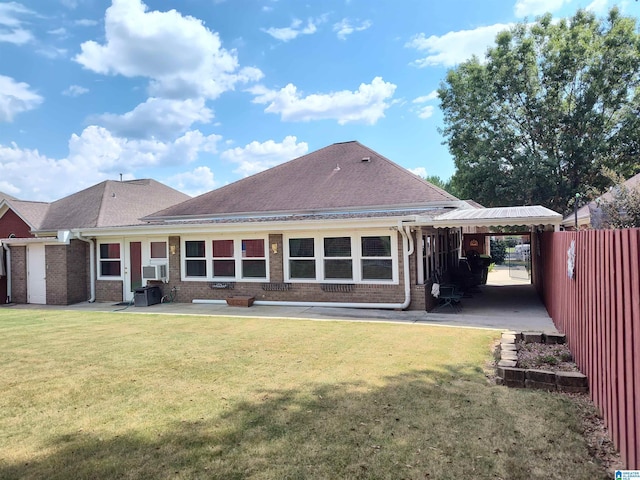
(447, 423)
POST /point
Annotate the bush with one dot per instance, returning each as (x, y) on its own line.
(498, 251)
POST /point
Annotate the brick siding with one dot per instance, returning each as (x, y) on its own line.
(19, 274)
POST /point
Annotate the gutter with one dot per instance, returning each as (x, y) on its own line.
(92, 265)
(8, 272)
(407, 250)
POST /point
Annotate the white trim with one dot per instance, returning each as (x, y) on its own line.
(356, 256)
(237, 256)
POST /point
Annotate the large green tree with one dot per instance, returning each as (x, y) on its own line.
(550, 105)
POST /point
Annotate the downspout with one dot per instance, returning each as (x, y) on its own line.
(8, 272)
(92, 266)
(407, 250)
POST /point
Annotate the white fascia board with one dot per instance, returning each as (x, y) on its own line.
(290, 225)
(27, 241)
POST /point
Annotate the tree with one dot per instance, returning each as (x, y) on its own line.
(440, 183)
(553, 104)
(621, 209)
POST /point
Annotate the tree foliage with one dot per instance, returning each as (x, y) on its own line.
(443, 184)
(553, 104)
(619, 209)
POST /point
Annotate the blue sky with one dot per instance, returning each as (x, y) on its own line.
(200, 93)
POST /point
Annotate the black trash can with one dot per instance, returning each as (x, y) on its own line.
(145, 296)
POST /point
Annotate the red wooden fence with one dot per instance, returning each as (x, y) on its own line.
(599, 310)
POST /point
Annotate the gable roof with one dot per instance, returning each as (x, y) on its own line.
(341, 176)
(32, 213)
(6, 196)
(110, 203)
(584, 213)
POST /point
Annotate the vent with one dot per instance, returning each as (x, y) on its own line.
(366, 159)
(155, 272)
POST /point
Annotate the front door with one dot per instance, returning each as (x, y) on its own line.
(36, 274)
(132, 269)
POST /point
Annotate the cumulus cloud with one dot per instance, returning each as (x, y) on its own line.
(75, 91)
(256, 157)
(425, 111)
(365, 105)
(11, 29)
(180, 56)
(16, 97)
(195, 182)
(453, 48)
(345, 27)
(522, 8)
(419, 171)
(94, 155)
(296, 28)
(158, 118)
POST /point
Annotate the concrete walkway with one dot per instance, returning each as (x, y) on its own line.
(503, 307)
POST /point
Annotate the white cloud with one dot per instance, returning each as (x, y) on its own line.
(296, 28)
(523, 8)
(366, 105)
(256, 157)
(16, 97)
(427, 98)
(195, 182)
(344, 27)
(425, 111)
(158, 118)
(61, 32)
(181, 57)
(599, 7)
(85, 22)
(453, 48)
(11, 30)
(419, 171)
(75, 91)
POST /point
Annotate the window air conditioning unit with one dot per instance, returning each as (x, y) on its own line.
(155, 272)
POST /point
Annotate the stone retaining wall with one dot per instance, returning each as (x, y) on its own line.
(508, 374)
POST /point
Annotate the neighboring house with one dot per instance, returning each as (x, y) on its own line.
(590, 215)
(49, 264)
(341, 226)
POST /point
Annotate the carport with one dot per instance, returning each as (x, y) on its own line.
(523, 220)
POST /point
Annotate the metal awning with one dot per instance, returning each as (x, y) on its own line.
(497, 217)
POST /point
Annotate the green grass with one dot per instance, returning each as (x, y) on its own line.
(115, 395)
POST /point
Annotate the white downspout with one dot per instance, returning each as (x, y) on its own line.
(92, 266)
(407, 250)
(8, 272)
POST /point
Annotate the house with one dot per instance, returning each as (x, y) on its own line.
(45, 263)
(590, 215)
(341, 226)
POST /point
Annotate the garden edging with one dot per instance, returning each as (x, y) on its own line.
(508, 374)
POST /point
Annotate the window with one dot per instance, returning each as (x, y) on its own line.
(377, 262)
(254, 264)
(224, 265)
(195, 263)
(338, 263)
(110, 261)
(302, 264)
(158, 250)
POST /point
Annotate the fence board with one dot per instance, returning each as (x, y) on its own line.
(599, 310)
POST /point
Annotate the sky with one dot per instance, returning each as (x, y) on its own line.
(201, 93)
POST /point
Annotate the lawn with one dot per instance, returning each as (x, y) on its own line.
(116, 395)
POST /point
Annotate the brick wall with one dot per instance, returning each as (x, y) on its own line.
(78, 288)
(19, 274)
(11, 224)
(56, 265)
(297, 292)
(109, 290)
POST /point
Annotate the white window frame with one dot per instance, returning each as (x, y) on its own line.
(237, 257)
(356, 256)
(121, 260)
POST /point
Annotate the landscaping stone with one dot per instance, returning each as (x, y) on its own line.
(509, 356)
(566, 389)
(554, 338)
(532, 337)
(571, 379)
(509, 347)
(541, 376)
(550, 387)
(514, 384)
(507, 363)
(507, 337)
(512, 373)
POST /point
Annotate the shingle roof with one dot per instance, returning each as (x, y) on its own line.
(110, 203)
(6, 196)
(32, 212)
(341, 176)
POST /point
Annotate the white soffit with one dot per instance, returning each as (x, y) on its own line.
(498, 217)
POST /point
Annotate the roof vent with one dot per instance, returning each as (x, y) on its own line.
(366, 159)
